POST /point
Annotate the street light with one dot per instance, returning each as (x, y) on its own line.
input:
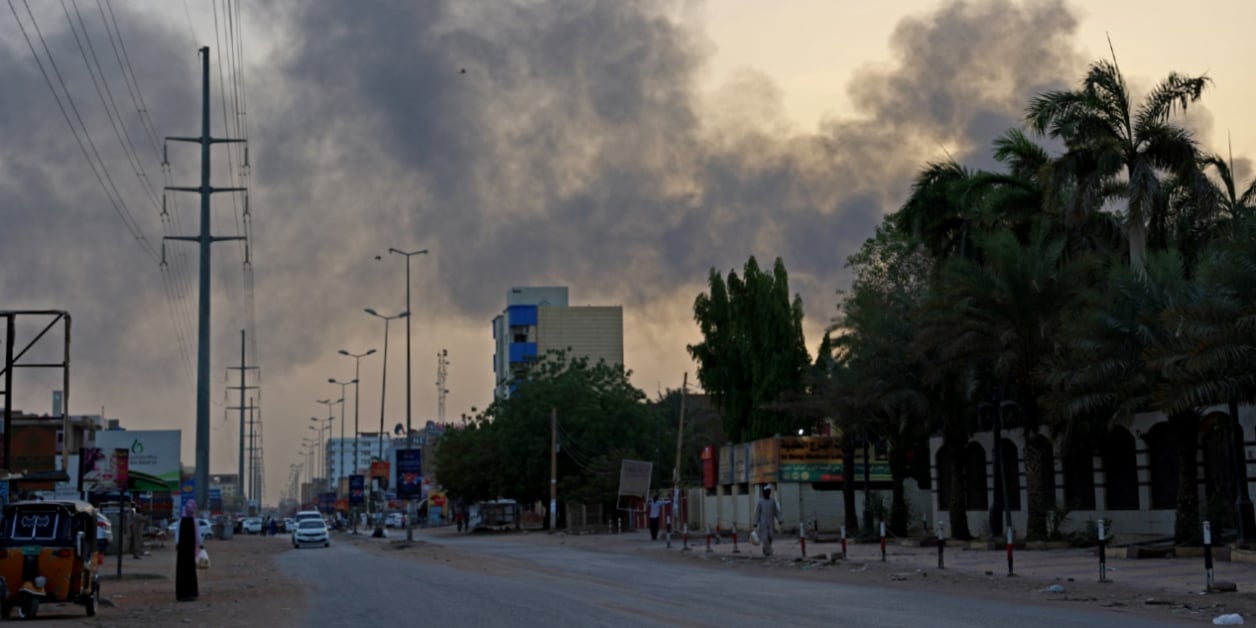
(357, 363)
(327, 460)
(409, 438)
(332, 380)
(379, 530)
(321, 450)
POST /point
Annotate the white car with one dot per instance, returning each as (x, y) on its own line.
(311, 532)
(207, 532)
(394, 520)
(252, 525)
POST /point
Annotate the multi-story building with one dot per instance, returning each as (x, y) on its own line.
(340, 451)
(538, 319)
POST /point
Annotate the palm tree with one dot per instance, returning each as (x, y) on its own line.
(1101, 129)
(1005, 313)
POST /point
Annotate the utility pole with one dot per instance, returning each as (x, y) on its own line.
(409, 430)
(680, 434)
(442, 376)
(252, 457)
(242, 387)
(553, 470)
(204, 240)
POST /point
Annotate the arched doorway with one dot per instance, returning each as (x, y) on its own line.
(942, 462)
(1120, 470)
(1011, 474)
(978, 487)
(1079, 475)
(1219, 482)
(1164, 466)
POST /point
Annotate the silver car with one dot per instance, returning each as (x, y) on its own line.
(311, 532)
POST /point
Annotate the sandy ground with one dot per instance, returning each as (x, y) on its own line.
(242, 587)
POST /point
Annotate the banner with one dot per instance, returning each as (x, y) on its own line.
(379, 471)
(357, 489)
(410, 473)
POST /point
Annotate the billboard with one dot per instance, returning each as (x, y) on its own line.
(357, 489)
(634, 478)
(410, 473)
(154, 459)
(104, 471)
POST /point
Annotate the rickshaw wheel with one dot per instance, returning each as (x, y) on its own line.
(94, 600)
(27, 606)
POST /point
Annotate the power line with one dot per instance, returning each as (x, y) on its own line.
(180, 277)
(102, 174)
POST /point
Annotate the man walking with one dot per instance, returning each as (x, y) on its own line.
(766, 515)
(656, 510)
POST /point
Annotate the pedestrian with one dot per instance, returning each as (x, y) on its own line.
(767, 514)
(656, 511)
(274, 527)
(187, 547)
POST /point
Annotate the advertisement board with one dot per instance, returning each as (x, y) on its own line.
(379, 472)
(357, 489)
(154, 458)
(410, 473)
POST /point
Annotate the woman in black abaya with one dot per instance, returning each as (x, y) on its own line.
(187, 546)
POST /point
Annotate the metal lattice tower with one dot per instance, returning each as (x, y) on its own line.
(442, 376)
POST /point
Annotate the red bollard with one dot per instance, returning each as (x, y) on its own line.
(802, 538)
(882, 541)
(843, 542)
(735, 550)
(1010, 537)
(708, 539)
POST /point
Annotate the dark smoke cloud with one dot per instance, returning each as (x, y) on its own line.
(559, 143)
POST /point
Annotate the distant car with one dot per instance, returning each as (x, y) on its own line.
(311, 532)
(252, 525)
(394, 520)
(289, 524)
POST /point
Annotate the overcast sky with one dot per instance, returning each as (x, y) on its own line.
(622, 149)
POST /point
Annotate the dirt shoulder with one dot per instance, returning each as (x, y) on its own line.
(242, 587)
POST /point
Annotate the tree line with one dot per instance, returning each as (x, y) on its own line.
(1078, 285)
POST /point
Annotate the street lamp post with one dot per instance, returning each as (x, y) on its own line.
(327, 452)
(409, 438)
(341, 464)
(383, 389)
(321, 448)
(357, 363)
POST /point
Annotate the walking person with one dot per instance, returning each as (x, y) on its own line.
(767, 514)
(187, 545)
(656, 511)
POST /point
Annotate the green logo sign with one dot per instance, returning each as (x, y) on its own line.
(137, 447)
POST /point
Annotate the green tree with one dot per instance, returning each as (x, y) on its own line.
(601, 418)
(752, 350)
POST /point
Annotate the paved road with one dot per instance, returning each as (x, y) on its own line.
(565, 586)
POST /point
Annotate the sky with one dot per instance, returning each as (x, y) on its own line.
(622, 149)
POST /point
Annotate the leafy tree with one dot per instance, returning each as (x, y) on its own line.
(752, 350)
(601, 420)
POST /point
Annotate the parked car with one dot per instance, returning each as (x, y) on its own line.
(289, 524)
(207, 531)
(252, 525)
(394, 520)
(311, 532)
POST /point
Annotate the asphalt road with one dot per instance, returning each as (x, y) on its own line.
(563, 586)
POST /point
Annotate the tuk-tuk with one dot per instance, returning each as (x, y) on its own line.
(46, 556)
